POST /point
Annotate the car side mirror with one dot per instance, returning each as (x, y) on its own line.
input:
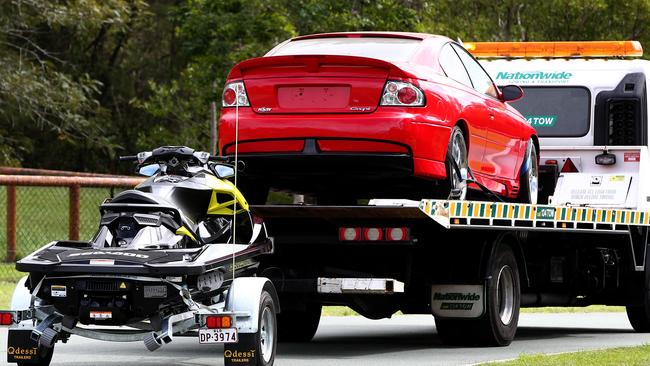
(223, 171)
(510, 93)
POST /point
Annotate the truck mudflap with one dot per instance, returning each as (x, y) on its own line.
(458, 301)
(21, 348)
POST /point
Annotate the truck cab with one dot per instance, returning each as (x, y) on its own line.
(587, 101)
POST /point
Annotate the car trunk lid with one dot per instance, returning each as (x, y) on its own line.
(315, 84)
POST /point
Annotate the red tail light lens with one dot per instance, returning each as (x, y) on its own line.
(218, 321)
(6, 319)
(397, 234)
(373, 234)
(234, 94)
(349, 234)
(399, 93)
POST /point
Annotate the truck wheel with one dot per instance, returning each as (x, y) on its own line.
(529, 176)
(639, 317)
(457, 158)
(299, 325)
(267, 331)
(498, 324)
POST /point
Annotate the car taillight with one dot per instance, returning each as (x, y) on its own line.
(397, 234)
(218, 321)
(234, 94)
(372, 234)
(6, 319)
(399, 93)
(349, 234)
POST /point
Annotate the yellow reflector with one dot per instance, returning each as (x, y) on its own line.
(555, 49)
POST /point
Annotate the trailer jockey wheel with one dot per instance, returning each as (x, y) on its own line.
(299, 325)
(498, 324)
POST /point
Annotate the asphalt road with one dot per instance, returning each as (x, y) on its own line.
(403, 340)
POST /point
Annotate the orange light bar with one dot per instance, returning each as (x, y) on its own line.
(555, 49)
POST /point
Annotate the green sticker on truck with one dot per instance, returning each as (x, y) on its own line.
(545, 213)
(541, 121)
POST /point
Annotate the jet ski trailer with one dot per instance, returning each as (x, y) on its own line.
(175, 256)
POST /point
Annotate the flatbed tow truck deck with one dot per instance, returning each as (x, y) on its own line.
(471, 264)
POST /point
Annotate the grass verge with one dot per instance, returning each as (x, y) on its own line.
(629, 356)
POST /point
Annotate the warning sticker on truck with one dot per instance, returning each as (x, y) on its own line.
(457, 301)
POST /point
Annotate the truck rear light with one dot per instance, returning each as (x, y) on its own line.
(349, 234)
(399, 93)
(234, 94)
(218, 321)
(606, 159)
(397, 234)
(372, 234)
(550, 162)
(6, 319)
(569, 167)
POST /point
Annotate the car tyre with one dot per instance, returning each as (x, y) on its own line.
(456, 164)
(529, 175)
(299, 325)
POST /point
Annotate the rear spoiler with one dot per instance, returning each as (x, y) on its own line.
(312, 63)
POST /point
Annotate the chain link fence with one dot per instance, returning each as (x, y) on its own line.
(43, 214)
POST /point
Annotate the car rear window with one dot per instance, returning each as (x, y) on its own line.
(556, 111)
(382, 48)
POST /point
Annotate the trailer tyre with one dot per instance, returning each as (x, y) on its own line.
(498, 324)
(299, 325)
(267, 331)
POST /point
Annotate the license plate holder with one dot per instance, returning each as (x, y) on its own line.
(218, 336)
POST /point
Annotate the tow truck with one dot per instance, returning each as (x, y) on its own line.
(474, 264)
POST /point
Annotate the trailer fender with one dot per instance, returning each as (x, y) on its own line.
(21, 299)
(244, 296)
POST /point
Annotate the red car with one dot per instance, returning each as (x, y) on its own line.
(356, 115)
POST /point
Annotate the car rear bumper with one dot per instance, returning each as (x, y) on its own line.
(387, 142)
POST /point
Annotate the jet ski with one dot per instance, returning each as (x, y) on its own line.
(168, 247)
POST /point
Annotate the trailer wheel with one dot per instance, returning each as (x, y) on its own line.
(529, 176)
(299, 325)
(267, 330)
(498, 324)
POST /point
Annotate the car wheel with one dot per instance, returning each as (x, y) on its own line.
(299, 325)
(498, 325)
(529, 176)
(457, 165)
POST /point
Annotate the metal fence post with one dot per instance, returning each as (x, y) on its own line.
(73, 219)
(11, 223)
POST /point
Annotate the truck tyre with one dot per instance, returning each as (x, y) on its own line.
(299, 325)
(457, 159)
(267, 331)
(498, 325)
(529, 176)
(639, 317)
